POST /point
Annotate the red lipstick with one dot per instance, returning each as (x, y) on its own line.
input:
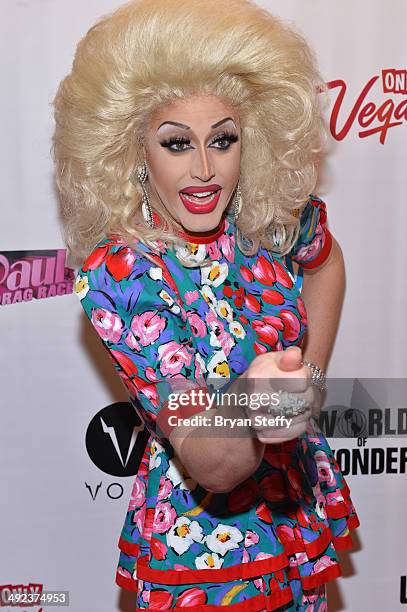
(200, 199)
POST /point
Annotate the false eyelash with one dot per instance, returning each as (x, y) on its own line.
(175, 140)
(230, 136)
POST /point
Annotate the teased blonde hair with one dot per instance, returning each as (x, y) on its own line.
(147, 54)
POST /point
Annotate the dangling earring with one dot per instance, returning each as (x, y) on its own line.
(146, 209)
(237, 205)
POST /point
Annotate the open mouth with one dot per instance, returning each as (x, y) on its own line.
(200, 201)
(203, 197)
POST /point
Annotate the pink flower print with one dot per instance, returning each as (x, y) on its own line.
(213, 251)
(197, 325)
(262, 555)
(164, 488)
(164, 517)
(323, 563)
(227, 245)
(200, 368)
(191, 296)
(151, 374)
(310, 251)
(139, 518)
(108, 324)
(259, 584)
(123, 572)
(325, 473)
(137, 494)
(251, 538)
(245, 557)
(219, 336)
(334, 497)
(146, 328)
(173, 357)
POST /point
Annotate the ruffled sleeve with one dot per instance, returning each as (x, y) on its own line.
(134, 307)
(314, 242)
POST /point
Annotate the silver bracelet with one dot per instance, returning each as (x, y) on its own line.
(318, 376)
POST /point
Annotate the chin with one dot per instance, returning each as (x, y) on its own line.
(201, 222)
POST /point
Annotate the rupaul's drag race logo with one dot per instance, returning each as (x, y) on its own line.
(25, 275)
(368, 115)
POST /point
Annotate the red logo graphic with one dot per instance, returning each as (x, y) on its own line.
(20, 595)
(25, 275)
(372, 117)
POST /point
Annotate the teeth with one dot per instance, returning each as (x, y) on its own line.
(189, 196)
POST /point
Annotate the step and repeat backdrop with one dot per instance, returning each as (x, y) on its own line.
(64, 489)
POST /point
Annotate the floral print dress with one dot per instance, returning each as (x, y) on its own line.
(271, 543)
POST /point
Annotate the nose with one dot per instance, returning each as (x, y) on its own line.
(202, 166)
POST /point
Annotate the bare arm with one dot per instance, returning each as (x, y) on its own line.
(323, 292)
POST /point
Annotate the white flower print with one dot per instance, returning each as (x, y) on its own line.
(168, 300)
(215, 274)
(179, 476)
(223, 538)
(156, 273)
(81, 286)
(155, 459)
(209, 296)
(183, 533)
(237, 329)
(218, 367)
(194, 253)
(224, 310)
(208, 561)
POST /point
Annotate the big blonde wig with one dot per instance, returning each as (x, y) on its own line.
(150, 52)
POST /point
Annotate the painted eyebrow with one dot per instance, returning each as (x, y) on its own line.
(187, 127)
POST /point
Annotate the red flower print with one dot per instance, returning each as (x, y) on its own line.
(121, 263)
(271, 296)
(158, 549)
(238, 297)
(302, 310)
(127, 364)
(96, 258)
(191, 597)
(252, 303)
(160, 599)
(274, 321)
(263, 271)
(264, 513)
(246, 273)
(227, 291)
(291, 325)
(282, 276)
(259, 348)
(266, 333)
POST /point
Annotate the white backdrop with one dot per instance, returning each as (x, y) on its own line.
(55, 376)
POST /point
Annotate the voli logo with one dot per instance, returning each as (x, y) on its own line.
(116, 439)
(25, 275)
(372, 117)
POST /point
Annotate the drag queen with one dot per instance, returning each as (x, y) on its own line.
(186, 147)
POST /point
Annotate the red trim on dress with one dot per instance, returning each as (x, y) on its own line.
(126, 583)
(227, 574)
(128, 547)
(329, 573)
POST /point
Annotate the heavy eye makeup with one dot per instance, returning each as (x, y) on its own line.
(221, 141)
